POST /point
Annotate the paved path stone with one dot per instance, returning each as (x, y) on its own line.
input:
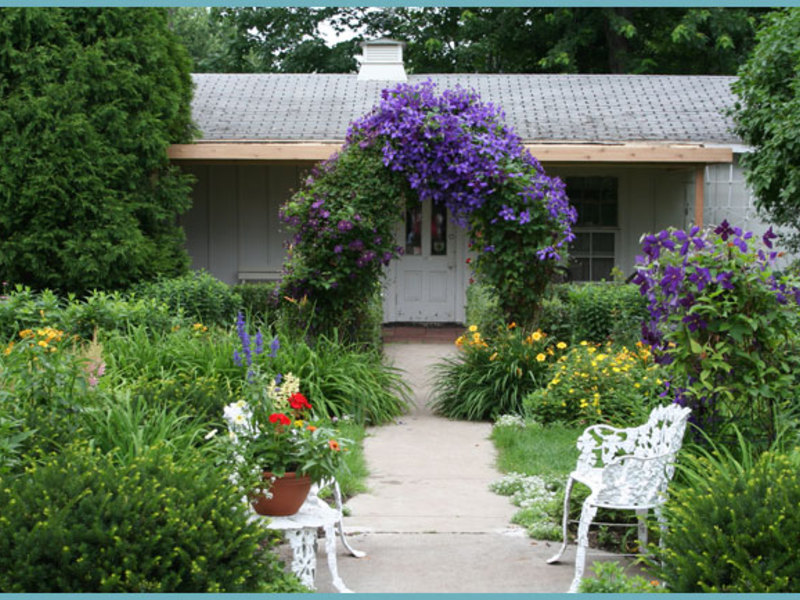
(429, 522)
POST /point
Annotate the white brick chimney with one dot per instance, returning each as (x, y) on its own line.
(381, 60)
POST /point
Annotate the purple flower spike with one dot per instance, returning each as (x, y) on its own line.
(274, 346)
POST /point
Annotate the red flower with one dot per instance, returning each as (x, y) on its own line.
(279, 418)
(469, 260)
(299, 402)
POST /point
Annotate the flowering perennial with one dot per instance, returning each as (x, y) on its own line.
(594, 383)
(723, 322)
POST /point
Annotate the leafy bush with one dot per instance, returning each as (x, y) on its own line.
(198, 295)
(490, 377)
(606, 310)
(610, 578)
(725, 325)
(24, 309)
(734, 525)
(595, 312)
(598, 384)
(259, 300)
(483, 309)
(80, 522)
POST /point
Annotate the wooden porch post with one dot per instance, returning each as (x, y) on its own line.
(699, 194)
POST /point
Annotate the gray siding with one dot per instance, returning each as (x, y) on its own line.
(233, 230)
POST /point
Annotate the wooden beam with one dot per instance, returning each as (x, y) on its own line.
(259, 151)
(629, 153)
(699, 195)
(546, 153)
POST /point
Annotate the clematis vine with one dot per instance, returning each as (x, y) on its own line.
(449, 148)
(723, 321)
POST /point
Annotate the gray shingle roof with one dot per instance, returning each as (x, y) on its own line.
(540, 108)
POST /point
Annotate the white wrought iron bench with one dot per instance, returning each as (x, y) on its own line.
(301, 530)
(625, 469)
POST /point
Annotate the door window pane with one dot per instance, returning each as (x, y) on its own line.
(438, 230)
(414, 230)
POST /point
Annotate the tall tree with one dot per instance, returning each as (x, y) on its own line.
(767, 117)
(264, 40)
(568, 40)
(89, 101)
(482, 39)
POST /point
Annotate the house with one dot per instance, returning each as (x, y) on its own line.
(638, 153)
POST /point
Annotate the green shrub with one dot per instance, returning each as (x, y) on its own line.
(88, 197)
(595, 312)
(24, 309)
(598, 384)
(491, 376)
(80, 522)
(603, 310)
(198, 295)
(733, 525)
(555, 316)
(610, 578)
(259, 300)
(483, 308)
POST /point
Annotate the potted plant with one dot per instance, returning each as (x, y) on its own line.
(279, 448)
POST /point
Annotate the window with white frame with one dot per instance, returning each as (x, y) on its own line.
(593, 252)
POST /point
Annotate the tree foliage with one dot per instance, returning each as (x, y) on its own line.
(90, 99)
(264, 40)
(490, 39)
(767, 116)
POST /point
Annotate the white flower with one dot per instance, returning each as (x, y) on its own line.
(210, 434)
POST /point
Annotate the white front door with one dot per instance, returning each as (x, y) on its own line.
(426, 284)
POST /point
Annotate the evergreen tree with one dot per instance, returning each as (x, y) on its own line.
(90, 98)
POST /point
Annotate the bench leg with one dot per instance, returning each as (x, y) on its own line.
(565, 520)
(304, 557)
(588, 513)
(337, 495)
(330, 550)
(641, 522)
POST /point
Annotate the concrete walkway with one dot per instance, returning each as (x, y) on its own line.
(429, 522)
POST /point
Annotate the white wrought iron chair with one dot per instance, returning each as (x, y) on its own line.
(625, 469)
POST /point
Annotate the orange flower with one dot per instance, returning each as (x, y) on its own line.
(311, 428)
(334, 445)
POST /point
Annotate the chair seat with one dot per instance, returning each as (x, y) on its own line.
(593, 479)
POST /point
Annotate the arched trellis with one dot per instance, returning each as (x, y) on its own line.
(417, 145)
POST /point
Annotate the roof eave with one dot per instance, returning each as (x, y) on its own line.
(545, 152)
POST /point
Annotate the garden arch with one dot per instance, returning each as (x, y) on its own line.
(451, 150)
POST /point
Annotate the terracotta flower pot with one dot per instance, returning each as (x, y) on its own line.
(288, 494)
